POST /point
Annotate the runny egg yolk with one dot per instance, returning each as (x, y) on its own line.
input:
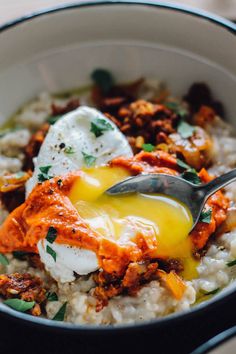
(120, 218)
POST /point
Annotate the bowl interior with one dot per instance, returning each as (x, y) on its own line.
(59, 50)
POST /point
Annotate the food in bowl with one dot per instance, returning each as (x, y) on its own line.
(70, 252)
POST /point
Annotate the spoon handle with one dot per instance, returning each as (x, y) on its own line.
(219, 182)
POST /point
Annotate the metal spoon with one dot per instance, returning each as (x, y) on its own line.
(193, 196)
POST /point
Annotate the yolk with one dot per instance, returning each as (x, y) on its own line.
(120, 217)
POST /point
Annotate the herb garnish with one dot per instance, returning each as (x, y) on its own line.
(89, 159)
(190, 174)
(176, 108)
(52, 296)
(99, 126)
(19, 305)
(205, 216)
(148, 147)
(184, 129)
(3, 260)
(20, 254)
(50, 251)
(231, 264)
(44, 175)
(51, 235)
(59, 316)
(53, 119)
(213, 292)
(103, 79)
(69, 150)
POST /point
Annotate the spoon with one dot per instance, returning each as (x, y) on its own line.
(193, 196)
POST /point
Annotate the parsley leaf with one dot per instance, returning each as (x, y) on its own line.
(59, 316)
(69, 150)
(103, 79)
(184, 165)
(148, 147)
(213, 292)
(191, 176)
(20, 254)
(205, 216)
(176, 108)
(53, 119)
(89, 159)
(52, 296)
(50, 251)
(3, 259)
(19, 305)
(231, 264)
(99, 126)
(44, 175)
(184, 129)
(51, 235)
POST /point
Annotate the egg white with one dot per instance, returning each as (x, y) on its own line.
(74, 130)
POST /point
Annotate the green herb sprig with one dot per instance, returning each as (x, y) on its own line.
(19, 305)
(103, 79)
(50, 251)
(44, 176)
(89, 159)
(3, 260)
(51, 235)
(99, 126)
(60, 315)
(148, 147)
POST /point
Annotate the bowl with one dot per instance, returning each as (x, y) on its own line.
(57, 49)
(223, 343)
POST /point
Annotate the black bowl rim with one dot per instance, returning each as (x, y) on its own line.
(216, 341)
(145, 325)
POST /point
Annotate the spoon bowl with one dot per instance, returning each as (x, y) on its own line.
(192, 195)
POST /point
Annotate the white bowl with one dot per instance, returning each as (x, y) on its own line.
(58, 48)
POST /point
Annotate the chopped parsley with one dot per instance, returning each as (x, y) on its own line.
(176, 108)
(148, 147)
(20, 254)
(53, 119)
(231, 264)
(184, 165)
(52, 296)
(213, 292)
(184, 129)
(205, 216)
(43, 176)
(59, 316)
(69, 150)
(51, 235)
(99, 126)
(103, 79)
(3, 260)
(50, 251)
(19, 305)
(89, 159)
(190, 174)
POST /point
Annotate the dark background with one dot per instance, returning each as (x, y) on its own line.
(179, 337)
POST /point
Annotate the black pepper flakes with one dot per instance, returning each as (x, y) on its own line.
(59, 182)
(62, 145)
